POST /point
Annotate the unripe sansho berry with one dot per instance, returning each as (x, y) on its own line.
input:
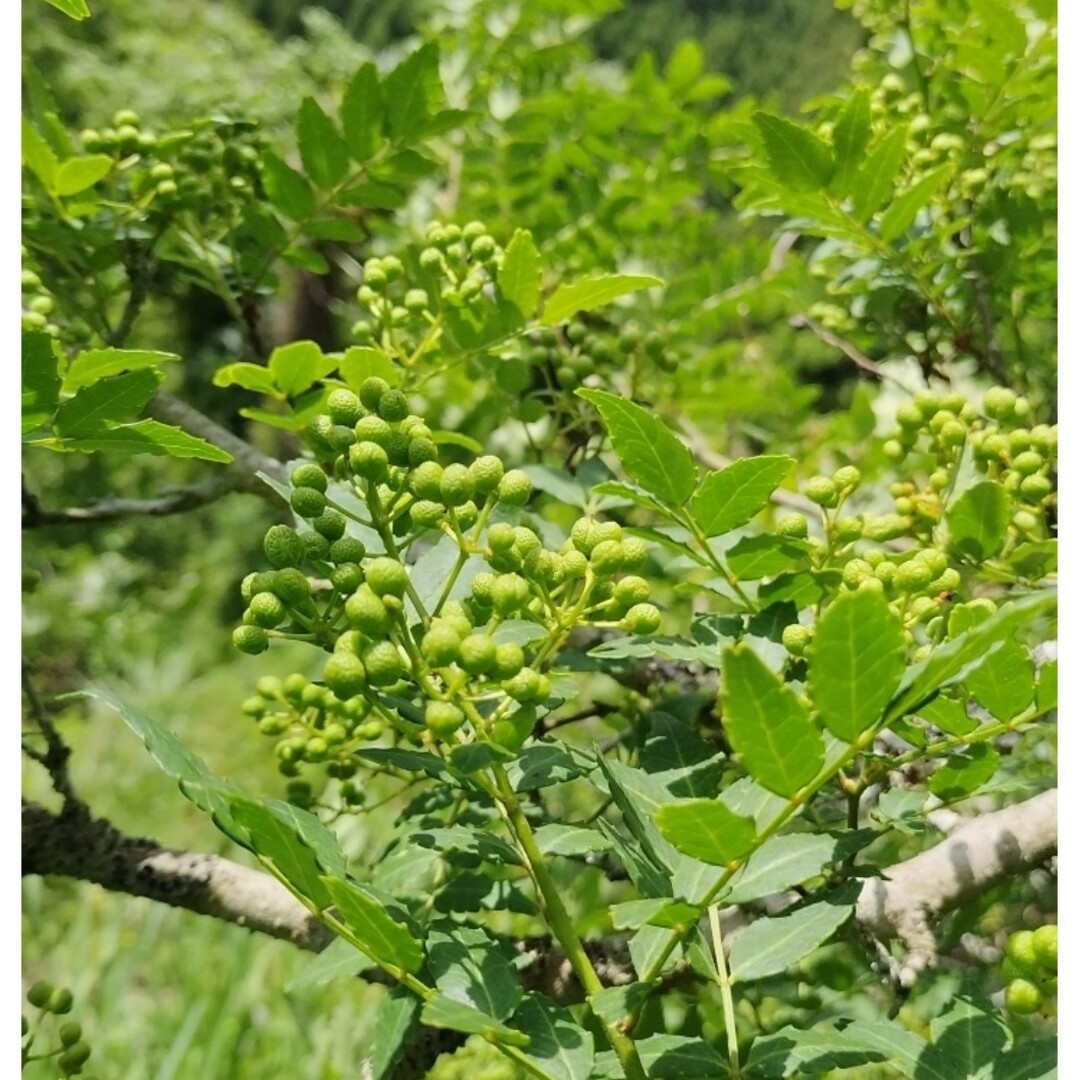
(514, 488)
(309, 475)
(821, 490)
(251, 639)
(330, 524)
(344, 407)
(443, 718)
(386, 576)
(307, 502)
(642, 619)
(345, 675)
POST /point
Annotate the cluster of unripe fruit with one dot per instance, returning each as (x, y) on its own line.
(421, 667)
(548, 362)
(38, 302)
(456, 268)
(71, 1051)
(917, 582)
(1005, 445)
(217, 162)
(1030, 966)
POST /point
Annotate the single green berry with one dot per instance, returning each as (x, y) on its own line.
(440, 645)
(307, 502)
(607, 558)
(500, 536)
(476, 654)
(1035, 489)
(38, 995)
(251, 639)
(885, 527)
(367, 612)
(635, 553)
(369, 461)
(290, 585)
(330, 524)
(267, 610)
(60, 1001)
(849, 529)
(383, 663)
(514, 488)
(821, 490)
(509, 660)
(909, 415)
(421, 449)
(387, 576)
(373, 429)
(1020, 949)
(426, 514)
(796, 638)
(631, 590)
(346, 578)
(466, 515)
(642, 619)
(426, 481)
(584, 534)
(74, 1057)
(486, 472)
(1022, 997)
(847, 478)
(456, 485)
(794, 526)
(999, 403)
(309, 475)
(855, 572)
(345, 675)
(393, 406)
(1045, 945)
(1027, 463)
(347, 549)
(344, 407)
(70, 1033)
(282, 546)
(509, 594)
(293, 687)
(574, 564)
(443, 718)
(913, 576)
(525, 686)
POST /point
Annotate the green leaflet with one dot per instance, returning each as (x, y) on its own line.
(590, 293)
(651, 455)
(519, 275)
(856, 664)
(798, 157)
(324, 153)
(770, 729)
(732, 496)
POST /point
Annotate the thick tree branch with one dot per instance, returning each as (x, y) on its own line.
(76, 845)
(975, 856)
(248, 460)
(175, 501)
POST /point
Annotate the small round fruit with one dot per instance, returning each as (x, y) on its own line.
(1045, 945)
(344, 407)
(847, 477)
(367, 613)
(347, 550)
(509, 660)
(369, 461)
(514, 488)
(794, 526)
(345, 675)
(291, 585)
(796, 638)
(38, 995)
(456, 485)
(330, 524)
(476, 654)
(251, 639)
(642, 619)
(393, 406)
(307, 502)
(282, 546)
(486, 472)
(383, 664)
(1020, 949)
(426, 481)
(387, 576)
(443, 718)
(440, 645)
(267, 610)
(309, 475)
(1022, 997)
(60, 1001)
(631, 590)
(821, 490)
(999, 403)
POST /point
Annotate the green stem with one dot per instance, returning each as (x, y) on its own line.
(723, 980)
(561, 923)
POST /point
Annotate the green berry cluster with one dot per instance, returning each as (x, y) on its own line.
(455, 269)
(1030, 966)
(211, 163)
(1007, 447)
(547, 363)
(69, 1050)
(421, 668)
(38, 302)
